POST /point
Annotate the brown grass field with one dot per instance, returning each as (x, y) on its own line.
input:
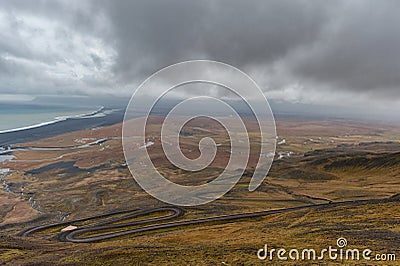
(320, 162)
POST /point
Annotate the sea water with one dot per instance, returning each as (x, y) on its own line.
(14, 117)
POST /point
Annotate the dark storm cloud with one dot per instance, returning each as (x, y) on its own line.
(296, 50)
(326, 46)
(359, 49)
(152, 34)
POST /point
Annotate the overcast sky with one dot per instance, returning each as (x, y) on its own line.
(326, 52)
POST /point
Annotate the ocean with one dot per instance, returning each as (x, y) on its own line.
(15, 117)
(24, 123)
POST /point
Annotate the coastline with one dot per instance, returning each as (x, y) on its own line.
(99, 118)
(56, 120)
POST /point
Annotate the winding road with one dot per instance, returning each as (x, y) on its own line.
(175, 212)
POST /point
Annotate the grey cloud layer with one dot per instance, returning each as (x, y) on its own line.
(152, 34)
(294, 49)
